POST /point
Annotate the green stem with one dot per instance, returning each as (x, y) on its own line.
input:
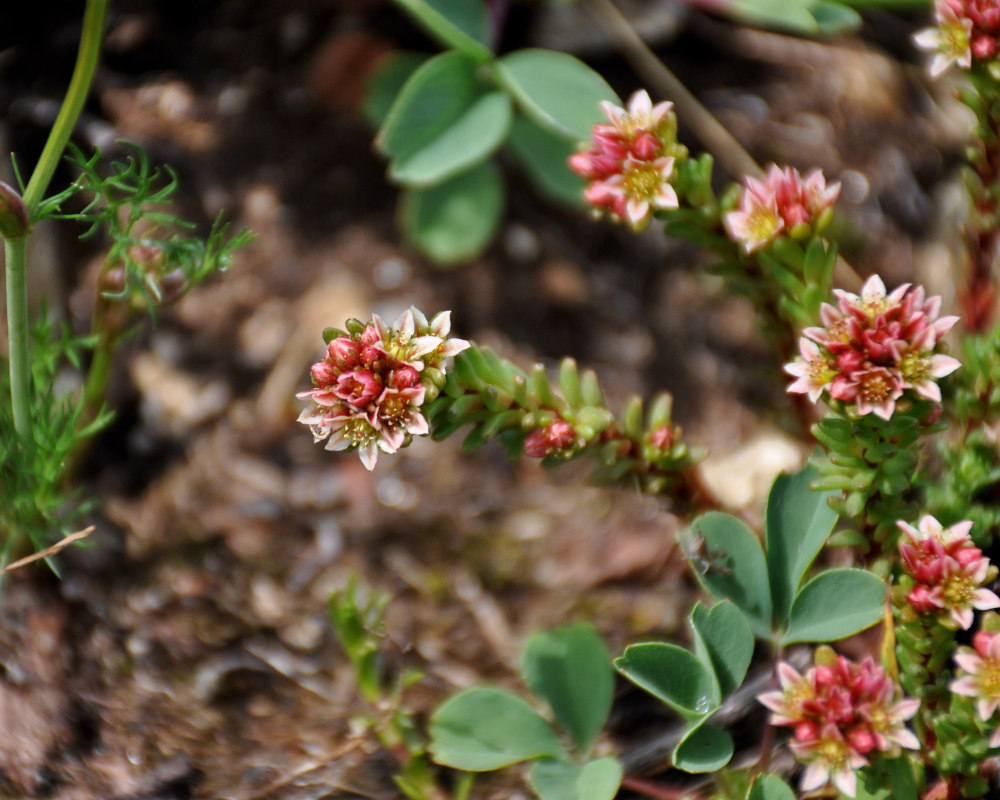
(16, 252)
(72, 105)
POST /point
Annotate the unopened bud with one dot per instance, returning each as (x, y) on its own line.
(14, 218)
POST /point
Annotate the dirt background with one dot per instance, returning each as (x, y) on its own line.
(187, 653)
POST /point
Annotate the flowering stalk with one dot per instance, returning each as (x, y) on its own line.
(943, 583)
(380, 385)
(968, 732)
(875, 359)
(766, 234)
(528, 416)
(967, 34)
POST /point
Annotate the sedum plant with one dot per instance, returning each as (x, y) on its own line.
(901, 480)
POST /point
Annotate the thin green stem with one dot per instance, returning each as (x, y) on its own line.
(16, 252)
(72, 105)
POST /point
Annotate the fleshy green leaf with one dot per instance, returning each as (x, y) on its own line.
(770, 787)
(704, 748)
(835, 604)
(486, 728)
(433, 97)
(673, 675)
(462, 24)
(544, 158)
(455, 220)
(386, 82)
(571, 669)
(558, 92)
(724, 641)
(563, 780)
(470, 139)
(728, 562)
(834, 19)
(798, 522)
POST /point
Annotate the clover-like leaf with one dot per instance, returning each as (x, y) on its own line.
(798, 522)
(486, 728)
(672, 674)
(462, 24)
(563, 780)
(455, 220)
(835, 604)
(571, 669)
(728, 562)
(559, 92)
(703, 748)
(543, 155)
(723, 640)
(770, 787)
(469, 139)
(435, 94)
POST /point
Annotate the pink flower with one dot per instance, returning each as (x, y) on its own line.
(784, 202)
(630, 164)
(966, 30)
(814, 371)
(633, 194)
(542, 442)
(370, 387)
(872, 347)
(840, 713)
(981, 665)
(948, 570)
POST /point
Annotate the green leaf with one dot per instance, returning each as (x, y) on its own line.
(557, 91)
(798, 522)
(834, 19)
(563, 780)
(571, 669)
(835, 604)
(673, 675)
(544, 158)
(462, 24)
(729, 563)
(770, 787)
(435, 95)
(455, 220)
(386, 82)
(724, 641)
(485, 728)
(704, 748)
(470, 139)
(791, 15)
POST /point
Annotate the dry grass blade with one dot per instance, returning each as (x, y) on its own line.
(49, 551)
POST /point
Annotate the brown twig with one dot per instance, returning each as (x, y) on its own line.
(658, 791)
(720, 142)
(49, 551)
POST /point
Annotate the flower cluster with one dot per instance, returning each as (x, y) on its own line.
(948, 570)
(784, 202)
(373, 381)
(966, 30)
(981, 664)
(630, 163)
(874, 346)
(841, 712)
